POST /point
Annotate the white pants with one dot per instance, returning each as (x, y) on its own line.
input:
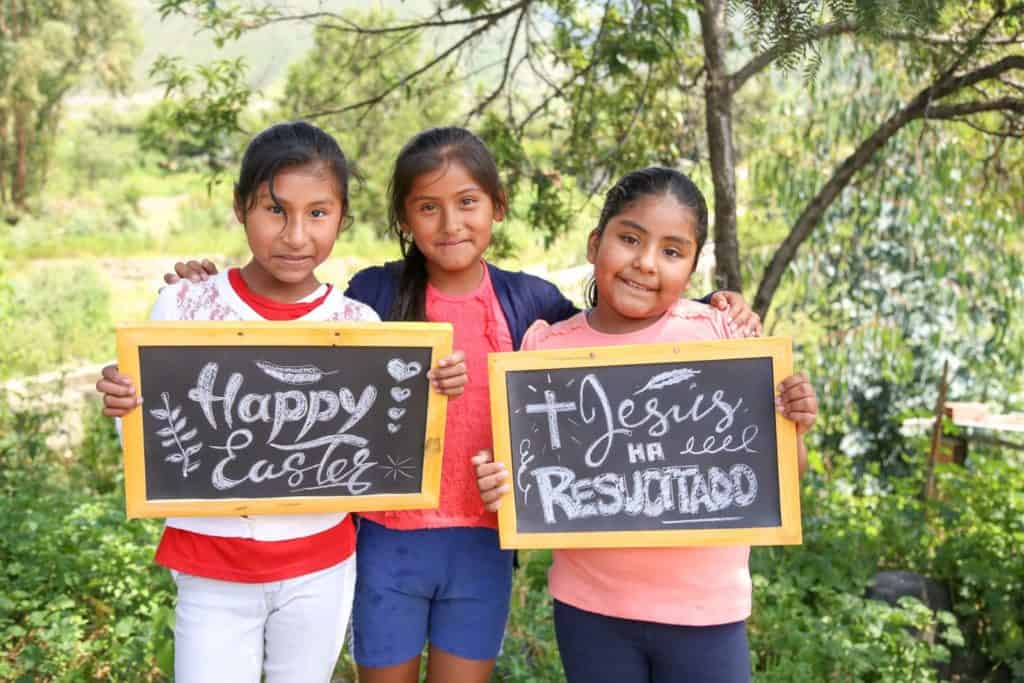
(292, 630)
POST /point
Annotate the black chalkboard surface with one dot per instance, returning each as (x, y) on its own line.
(282, 418)
(646, 445)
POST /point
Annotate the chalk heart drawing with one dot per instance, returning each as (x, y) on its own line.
(400, 393)
(402, 371)
(392, 427)
(396, 413)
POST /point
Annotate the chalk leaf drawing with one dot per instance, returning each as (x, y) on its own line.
(296, 375)
(400, 393)
(392, 427)
(172, 435)
(396, 413)
(402, 371)
(667, 379)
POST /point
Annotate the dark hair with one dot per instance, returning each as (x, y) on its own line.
(651, 182)
(286, 145)
(428, 151)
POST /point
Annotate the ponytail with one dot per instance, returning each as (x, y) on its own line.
(410, 300)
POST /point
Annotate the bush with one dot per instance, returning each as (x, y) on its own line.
(811, 621)
(82, 599)
(981, 521)
(76, 324)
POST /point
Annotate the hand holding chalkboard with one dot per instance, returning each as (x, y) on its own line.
(662, 444)
(252, 418)
(119, 396)
(491, 480)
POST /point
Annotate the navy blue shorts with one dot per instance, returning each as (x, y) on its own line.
(451, 586)
(601, 649)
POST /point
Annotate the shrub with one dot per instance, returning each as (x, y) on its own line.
(76, 325)
(82, 598)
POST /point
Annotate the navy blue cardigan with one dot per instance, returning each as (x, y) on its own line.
(523, 298)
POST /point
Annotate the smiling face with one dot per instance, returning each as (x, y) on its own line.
(289, 238)
(449, 216)
(642, 263)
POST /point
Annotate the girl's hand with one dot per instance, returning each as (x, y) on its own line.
(744, 322)
(119, 396)
(797, 401)
(490, 479)
(449, 377)
(193, 271)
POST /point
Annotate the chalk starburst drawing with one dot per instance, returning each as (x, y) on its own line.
(396, 468)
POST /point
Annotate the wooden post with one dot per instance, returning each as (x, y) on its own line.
(940, 406)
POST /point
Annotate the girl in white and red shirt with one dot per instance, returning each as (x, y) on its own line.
(267, 595)
(649, 614)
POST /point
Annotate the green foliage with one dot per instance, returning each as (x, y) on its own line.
(46, 51)
(81, 598)
(529, 652)
(790, 25)
(911, 268)
(76, 324)
(198, 123)
(981, 513)
(810, 619)
(226, 22)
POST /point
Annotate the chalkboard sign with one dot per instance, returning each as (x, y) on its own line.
(646, 445)
(265, 418)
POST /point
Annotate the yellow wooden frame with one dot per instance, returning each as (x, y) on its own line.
(437, 336)
(780, 349)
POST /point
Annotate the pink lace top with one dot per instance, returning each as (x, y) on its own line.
(480, 328)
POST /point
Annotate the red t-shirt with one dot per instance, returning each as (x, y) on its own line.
(244, 559)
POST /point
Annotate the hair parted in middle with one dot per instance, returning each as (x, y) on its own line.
(652, 181)
(430, 151)
(288, 145)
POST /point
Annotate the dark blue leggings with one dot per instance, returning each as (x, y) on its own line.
(599, 649)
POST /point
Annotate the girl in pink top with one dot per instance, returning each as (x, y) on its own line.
(439, 576)
(649, 614)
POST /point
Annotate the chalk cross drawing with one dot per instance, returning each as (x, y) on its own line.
(552, 409)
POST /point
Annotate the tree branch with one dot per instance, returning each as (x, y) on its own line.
(436, 20)
(479, 108)
(370, 102)
(763, 61)
(917, 108)
(953, 111)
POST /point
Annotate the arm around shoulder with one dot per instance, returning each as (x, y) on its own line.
(554, 305)
(166, 305)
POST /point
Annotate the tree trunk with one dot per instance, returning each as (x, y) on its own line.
(718, 105)
(4, 161)
(19, 184)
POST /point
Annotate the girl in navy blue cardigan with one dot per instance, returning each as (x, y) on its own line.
(439, 576)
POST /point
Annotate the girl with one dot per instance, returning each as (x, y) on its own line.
(438, 576)
(267, 593)
(650, 614)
